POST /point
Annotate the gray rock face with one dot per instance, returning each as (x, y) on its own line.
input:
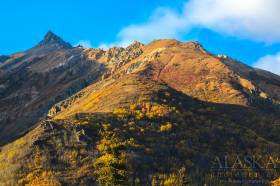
(52, 39)
(32, 81)
(3, 58)
(121, 56)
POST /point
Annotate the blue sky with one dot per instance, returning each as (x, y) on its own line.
(24, 23)
(246, 30)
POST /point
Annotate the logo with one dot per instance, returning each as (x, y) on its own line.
(245, 169)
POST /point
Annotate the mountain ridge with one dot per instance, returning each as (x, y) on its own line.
(117, 61)
(174, 101)
(51, 38)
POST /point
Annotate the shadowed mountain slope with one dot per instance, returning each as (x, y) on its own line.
(32, 81)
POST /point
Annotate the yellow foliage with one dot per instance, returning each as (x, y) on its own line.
(166, 127)
(133, 107)
(73, 155)
(20, 141)
(105, 159)
(170, 181)
(121, 112)
(141, 110)
(38, 159)
(31, 176)
(48, 173)
(11, 154)
(174, 179)
(35, 178)
(276, 182)
(43, 181)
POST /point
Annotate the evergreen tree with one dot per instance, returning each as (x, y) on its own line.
(110, 167)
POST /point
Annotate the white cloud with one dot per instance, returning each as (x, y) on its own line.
(106, 46)
(85, 43)
(257, 20)
(163, 23)
(270, 63)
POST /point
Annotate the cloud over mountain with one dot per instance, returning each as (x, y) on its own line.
(257, 20)
(270, 63)
(85, 43)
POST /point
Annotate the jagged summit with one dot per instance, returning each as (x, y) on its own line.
(52, 39)
(136, 44)
(50, 43)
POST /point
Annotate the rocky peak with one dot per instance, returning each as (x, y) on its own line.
(134, 45)
(222, 56)
(120, 56)
(52, 39)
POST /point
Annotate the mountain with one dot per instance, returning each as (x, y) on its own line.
(73, 116)
(51, 39)
(33, 80)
